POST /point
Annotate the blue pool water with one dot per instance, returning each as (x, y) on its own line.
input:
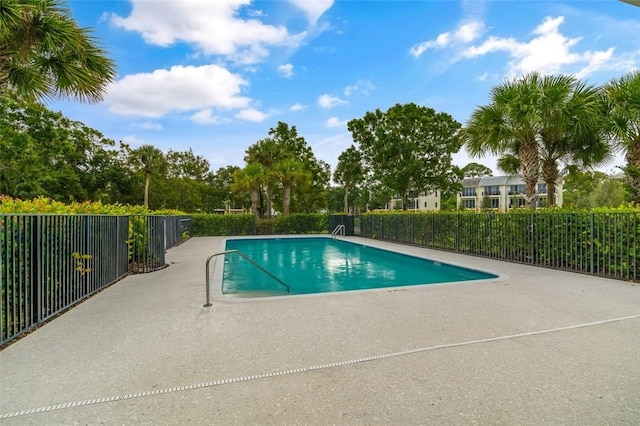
(318, 265)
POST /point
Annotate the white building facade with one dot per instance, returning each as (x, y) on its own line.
(502, 193)
(418, 202)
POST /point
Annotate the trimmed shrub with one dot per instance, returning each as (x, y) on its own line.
(311, 223)
(206, 225)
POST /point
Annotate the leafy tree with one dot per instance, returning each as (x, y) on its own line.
(409, 148)
(349, 172)
(187, 165)
(43, 53)
(43, 153)
(609, 193)
(586, 189)
(284, 144)
(219, 190)
(288, 173)
(623, 96)
(535, 122)
(250, 179)
(476, 170)
(311, 194)
(149, 160)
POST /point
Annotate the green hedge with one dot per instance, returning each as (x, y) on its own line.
(205, 225)
(311, 223)
(600, 243)
(213, 225)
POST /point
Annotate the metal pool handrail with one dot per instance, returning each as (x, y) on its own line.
(340, 229)
(253, 262)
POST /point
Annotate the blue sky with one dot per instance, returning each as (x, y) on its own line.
(217, 75)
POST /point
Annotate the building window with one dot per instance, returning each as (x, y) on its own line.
(469, 204)
(436, 204)
(492, 190)
(515, 203)
(517, 189)
(425, 204)
(468, 192)
(542, 188)
(495, 203)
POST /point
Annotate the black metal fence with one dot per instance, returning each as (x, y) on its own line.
(344, 220)
(604, 244)
(50, 262)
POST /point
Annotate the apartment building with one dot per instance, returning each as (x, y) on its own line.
(501, 193)
(418, 202)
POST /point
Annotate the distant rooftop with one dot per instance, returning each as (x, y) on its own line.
(493, 181)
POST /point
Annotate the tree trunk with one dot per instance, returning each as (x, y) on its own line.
(530, 165)
(346, 199)
(286, 198)
(147, 179)
(254, 202)
(632, 170)
(550, 175)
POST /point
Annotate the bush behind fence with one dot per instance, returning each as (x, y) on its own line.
(50, 262)
(604, 244)
(222, 225)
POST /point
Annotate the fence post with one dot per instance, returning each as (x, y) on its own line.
(533, 242)
(635, 251)
(489, 231)
(591, 244)
(36, 272)
(413, 229)
(457, 246)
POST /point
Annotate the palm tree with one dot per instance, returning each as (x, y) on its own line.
(571, 129)
(349, 172)
(288, 173)
(44, 53)
(148, 159)
(623, 96)
(537, 122)
(250, 179)
(510, 124)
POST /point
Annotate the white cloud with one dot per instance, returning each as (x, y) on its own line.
(361, 86)
(549, 52)
(176, 89)
(149, 125)
(329, 148)
(205, 117)
(286, 70)
(465, 33)
(483, 77)
(255, 13)
(297, 107)
(134, 141)
(314, 9)
(334, 122)
(328, 101)
(595, 61)
(251, 114)
(212, 27)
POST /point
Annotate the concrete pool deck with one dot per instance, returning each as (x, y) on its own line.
(535, 346)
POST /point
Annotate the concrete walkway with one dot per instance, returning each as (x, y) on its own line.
(533, 347)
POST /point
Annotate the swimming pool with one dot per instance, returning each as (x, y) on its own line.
(319, 265)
